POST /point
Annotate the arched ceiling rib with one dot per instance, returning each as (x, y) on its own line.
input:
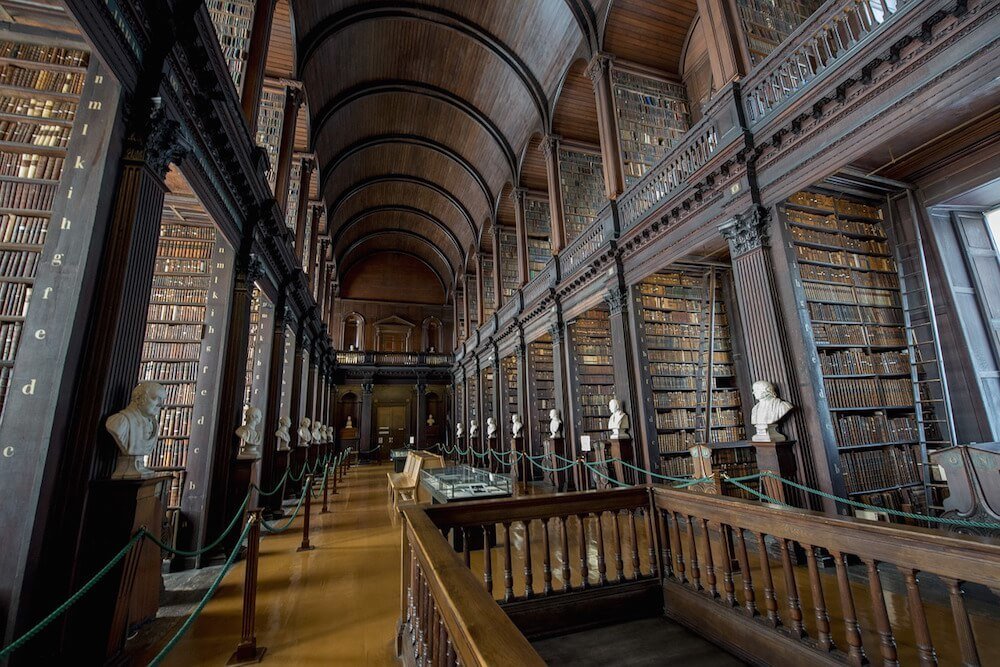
(398, 240)
(408, 217)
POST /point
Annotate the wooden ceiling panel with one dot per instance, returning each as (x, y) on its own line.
(280, 48)
(375, 278)
(408, 160)
(533, 174)
(380, 221)
(397, 241)
(575, 115)
(505, 211)
(649, 32)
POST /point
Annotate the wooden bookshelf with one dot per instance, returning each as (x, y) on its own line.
(489, 290)
(652, 116)
(508, 262)
(473, 297)
(254, 342)
(582, 183)
(541, 389)
(766, 23)
(269, 121)
(852, 302)
(487, 394)
(472, 409)
(538, 228)
(686, 342)
(40, 87)
(592, 373)
(233, 20)
(294, 182)
(286, 377)
(175, 324)
(508, 392)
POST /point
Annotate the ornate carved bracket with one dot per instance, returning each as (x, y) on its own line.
(747, 231)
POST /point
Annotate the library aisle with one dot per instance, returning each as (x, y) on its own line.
(337, 604)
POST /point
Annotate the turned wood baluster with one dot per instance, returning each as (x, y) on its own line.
(647, 522)
(963, 629)
(432, 643)
(410, 601)
(666, 557)
(709, 561)
(921, 633)
(547, 560)
(584, 566)
(602, 569)
(693, 554)
(614, 515)
(726, 535)
(529, 590)
(791, 589)
(634, 534)
(487, 561)
(887, 643)
(442, 642)
(564, 542)
(674, 524)
(418, 637)
(427, 624)
(770, 601)
(508, 566)
(466, 556)
(749, 597)
(823, 637)
(855, 652)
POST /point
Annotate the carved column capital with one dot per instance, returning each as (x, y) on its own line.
(308, 165)
(747, 231)
(367, 387)
(617, 299)
(557, 334)
(549, 144)
(295, 96)
(158, 140)
(598, 67)
(518, 195)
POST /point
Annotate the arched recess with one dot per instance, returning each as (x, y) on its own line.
(650, 33)
(416, 243)
(432, 332)
(532, 170)
(348, 415)
(353, 332)
(393, 270)
(574, 115)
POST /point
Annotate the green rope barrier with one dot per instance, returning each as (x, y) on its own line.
(201, 605)
(874, 508)
(594, 470)
(273, 491)
(197, 552)
(649, 472)
(274, 531)
(58, 611)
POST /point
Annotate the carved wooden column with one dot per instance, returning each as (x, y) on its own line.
(421, 396)
(521, 231)
(497, 276)
(480, 290)
(296, 409)
(271, 470)
(727, 55)
(550, 151)
(765, 338)
(524, 473)
(311, 272)
(465, 304)
(253, 76)
(599, 71)
(282, 177)
(320, 271)
(223, 497)
(560, 392)
(306, 166)
(622, 354)
(498, 383)
(455, 338)
(367, 391)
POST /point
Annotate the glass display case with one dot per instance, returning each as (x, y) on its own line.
(464, 482)
(398, 458)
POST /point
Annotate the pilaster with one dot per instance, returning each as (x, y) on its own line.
(550, 151)
(599, 72)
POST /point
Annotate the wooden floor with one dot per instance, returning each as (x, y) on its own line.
(335, 605)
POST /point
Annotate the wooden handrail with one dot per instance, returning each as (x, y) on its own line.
(477, 630)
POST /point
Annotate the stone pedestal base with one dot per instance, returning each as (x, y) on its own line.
(776, 457)
(129, 594)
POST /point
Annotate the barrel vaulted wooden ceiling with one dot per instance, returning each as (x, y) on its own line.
(424, 115)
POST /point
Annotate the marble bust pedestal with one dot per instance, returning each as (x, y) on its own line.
(116, 509)
(621, 448)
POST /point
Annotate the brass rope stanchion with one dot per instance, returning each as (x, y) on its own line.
(305, 546)
(326, 490)
(247, 650)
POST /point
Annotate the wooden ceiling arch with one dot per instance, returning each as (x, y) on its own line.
(330, 166)
(419, 88)
(328, 28)
(370, 278)
(402, 178)
(367, 214)
(649, 32)
(403, 241)
(438, 254)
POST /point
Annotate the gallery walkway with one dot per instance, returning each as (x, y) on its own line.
(337, 604)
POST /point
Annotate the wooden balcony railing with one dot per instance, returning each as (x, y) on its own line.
(817, 46)
(351, 358)
(446, 616)
(587, 243)
(765, 599)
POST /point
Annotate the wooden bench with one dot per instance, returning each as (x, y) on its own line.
(403, 485)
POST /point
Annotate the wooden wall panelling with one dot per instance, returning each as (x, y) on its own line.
(648, 32)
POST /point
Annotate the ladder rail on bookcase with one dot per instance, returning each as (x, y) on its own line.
(923, 342)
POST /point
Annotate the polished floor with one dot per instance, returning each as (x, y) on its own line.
(335, 605)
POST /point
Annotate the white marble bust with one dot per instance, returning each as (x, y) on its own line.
(491, 428)
(135, 429)
(459, 430)
(350, 422)
(555, 423)
(767, 412)
(305, 435)
(249, 434)
(618, 423)
(317, 433)
(516, 426)
(430, 420)
(473, 428)
(282, 435)
(328, 430)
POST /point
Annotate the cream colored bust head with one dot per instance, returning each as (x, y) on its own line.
(305, 434)
(249, 434)
(516, 426)
(618, 423)
(555, 423)
(134, 430)
(767, 412)
(491, 427)
(282, 435)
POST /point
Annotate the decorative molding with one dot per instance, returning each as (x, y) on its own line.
(598, 67)
(747, 231)
(617, 300)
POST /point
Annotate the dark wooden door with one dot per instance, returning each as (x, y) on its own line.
(390, 425)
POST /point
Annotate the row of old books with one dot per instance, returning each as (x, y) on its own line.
(31, 166)
(23, 229)
(44, 135)
(27, 196)
(844, 258)
(887, 467)
(848, 312)
(65, 83)
(875, 428)
(854, 361)
(869, 392)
